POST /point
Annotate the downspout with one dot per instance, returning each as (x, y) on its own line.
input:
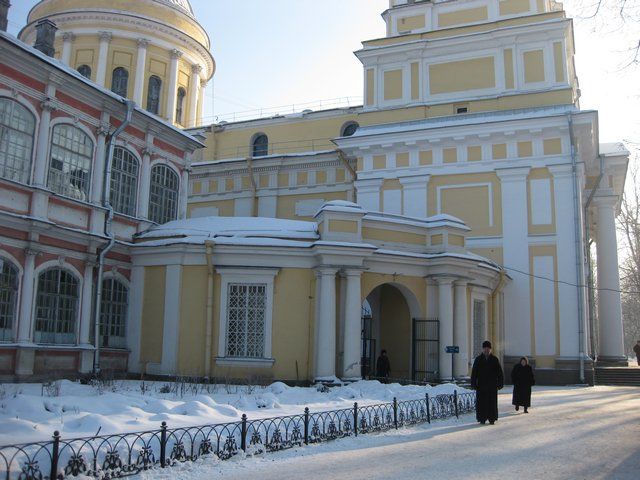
(578, 247)
(347, 165)
(591, 301)
(209, 326)
(254, 188)
(106, 203)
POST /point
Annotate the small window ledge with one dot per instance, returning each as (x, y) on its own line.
(245, 362)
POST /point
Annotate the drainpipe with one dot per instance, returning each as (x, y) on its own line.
(209, 327)
(591, 300)
(578, 247)
(106, 186)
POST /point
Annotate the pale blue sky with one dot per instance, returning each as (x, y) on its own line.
(272, 53)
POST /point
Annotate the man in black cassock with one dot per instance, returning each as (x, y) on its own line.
(486, 380)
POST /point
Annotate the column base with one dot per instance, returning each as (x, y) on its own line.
(25, 361)
(351, 379)
(612, 361)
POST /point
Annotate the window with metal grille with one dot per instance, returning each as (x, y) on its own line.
(113, 313)
(56, 307)
(260, 145)
(153, 94)
(124, 181)
(70, 166)
(8, 297)
(182, 93)
(163, 194)
(85, 71)
(246, 305)
(120, 81)
(17, 127)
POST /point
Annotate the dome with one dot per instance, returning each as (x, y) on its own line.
(182, 5)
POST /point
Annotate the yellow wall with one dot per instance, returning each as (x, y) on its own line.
(525, 149)
(393, 84)
(460, 17)
(512, 7)
(225, 207)
(370, 86)
(286, 207)
(474, 153)
(558, 61)
(533, 66)
(392, 236)
(193, 312)
(539, 173)
(450, 155)
(499, 151)
(406, 24)
(415, 81)
(426, 157)
(379, 162)
(343, 226)
(462, 75)
(152, 321)
(552, 146)
(402, 159)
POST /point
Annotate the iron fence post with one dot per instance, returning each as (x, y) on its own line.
(306, 426)
(428, 408)
(163, 443)
(355, 419)
(395, 412)
(54, 455)
(243, 438)
(455, 400)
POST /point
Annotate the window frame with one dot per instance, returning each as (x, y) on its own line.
(349, 125)
(56, 296)
(7, 334)
(124, 79)
(120, 173)
(255, 146)
(29, 167)
(121, 342)
(155, 111)
(166, 218)
(85, 66)
(249, 276)
(68, 192)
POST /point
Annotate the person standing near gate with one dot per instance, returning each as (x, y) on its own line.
(522, 380)
(486, 379)
(636, 349)
(383, 366)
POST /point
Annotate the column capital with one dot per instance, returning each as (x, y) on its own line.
(105, 36)
(175, 54)
(68, 36)
(443, 280)
(560, 171)
(463, 282)
(142, 42)
(196, 69)
(515, 174)
(102, 129)
(147, 151)
(48, 105)
(605, 201)
(352, 272)
(326, 271)
(30, 252)
(415, 181)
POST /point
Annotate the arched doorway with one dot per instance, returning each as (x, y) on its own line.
(387, 314)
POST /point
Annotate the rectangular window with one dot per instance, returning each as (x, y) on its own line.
(246, 311)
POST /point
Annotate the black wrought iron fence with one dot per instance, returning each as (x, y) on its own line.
(121, 455)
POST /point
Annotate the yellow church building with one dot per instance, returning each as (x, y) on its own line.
(455, 205)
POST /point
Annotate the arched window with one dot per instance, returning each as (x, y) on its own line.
(260, 145)
(349, 129)
(153, 94)
(56, 307)
(182, 93)
(70, 166)
(163, 194)
(113, 313)
(8, 298)
(17, 127)
(120, 81)
(124, 182)
(85, 71)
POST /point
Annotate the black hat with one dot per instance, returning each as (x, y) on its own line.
(486, 344)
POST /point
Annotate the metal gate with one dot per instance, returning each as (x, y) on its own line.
(368, 358)
(426, 342)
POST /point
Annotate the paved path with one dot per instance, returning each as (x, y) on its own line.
(570, 433)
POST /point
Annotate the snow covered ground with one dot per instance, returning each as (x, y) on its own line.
(570, 433)
(29, 413)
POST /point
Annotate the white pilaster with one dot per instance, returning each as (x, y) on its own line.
(414, 190)
(352, 326)
(86, 310)
(184, 193)
(141, 63)
(368, 194)
(97, 178)
(42, 147)
(145, 180)
(325, 341)
(461, 330)
(611, 338)
(194, 90)
(134, 316)
(26, 298)
(171, 330)
(445, 316)
(516, 257)
(200, 108)
(103, 56)
(67, 45)
(172, 87)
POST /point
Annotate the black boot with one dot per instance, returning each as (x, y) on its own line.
(525, 410)
(517, 407)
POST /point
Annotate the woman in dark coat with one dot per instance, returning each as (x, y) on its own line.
(486, 380)
(522, 379)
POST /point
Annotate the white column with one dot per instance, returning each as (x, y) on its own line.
(445, 316)
(67, 45)
(461, 330)
(97, 178)
(171, 330)
(134, 316)
(194, 91)
(145, 180)
(184, 192)
(42, 147)
(566, 258)
(141, 63)
(611, 338)
(200, 108)
(172, 87)
(352, 326)
(414, 191)
(325, 342)
(515, 232)
(86, 311)
(103, 55)
(26, 297)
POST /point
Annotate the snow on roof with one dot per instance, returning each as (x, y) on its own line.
(104, 91)
(200, 229)
(340, 206)
(613, 149)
